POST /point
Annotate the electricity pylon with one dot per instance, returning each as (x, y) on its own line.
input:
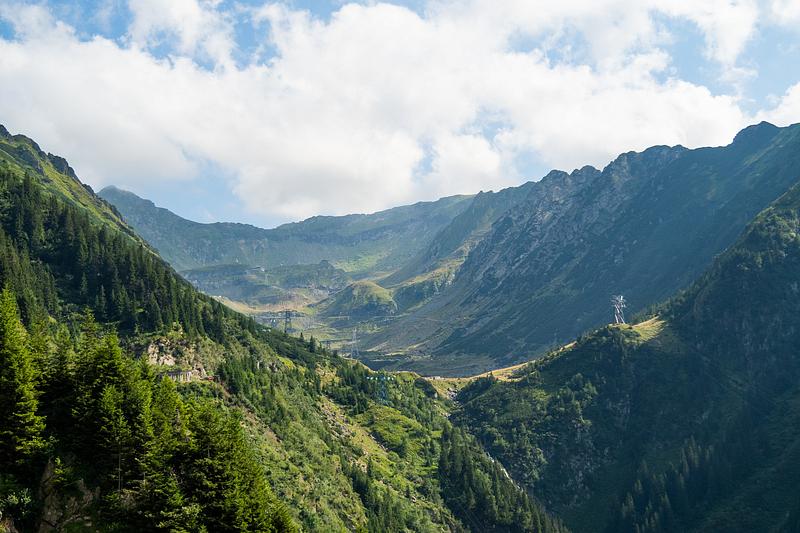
(618, 301)
(354, 345)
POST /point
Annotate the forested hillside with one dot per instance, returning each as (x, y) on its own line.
(131, 402)
(90, 434)
(91, 437)
(687, 421)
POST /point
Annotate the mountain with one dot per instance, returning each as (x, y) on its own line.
(20, 154)
(132, 402)
(645, 226)
(436, 265)
(413, 251)
(686, 421)
(129, 401)
(358, 244)
(270, 289)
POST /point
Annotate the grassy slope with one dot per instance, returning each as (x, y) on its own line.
(362, 298)
(252, 290)
(456, 239)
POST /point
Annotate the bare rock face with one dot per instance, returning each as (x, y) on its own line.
(176, 351)
(64, 509)
(161, 353)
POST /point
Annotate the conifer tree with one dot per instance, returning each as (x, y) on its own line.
(20, 425)
(114, 429)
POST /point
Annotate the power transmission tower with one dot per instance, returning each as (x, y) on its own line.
(354, 344)
(382, 392)
(287, 320)
(618, 301)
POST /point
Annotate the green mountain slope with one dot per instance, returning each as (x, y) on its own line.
(19, 154)
(361, 299)
(260, 288)
(261, 432)
(685, 422)
(359, 244)
(645, 226)
(435, 266)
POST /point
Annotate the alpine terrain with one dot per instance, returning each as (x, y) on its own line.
(134, 402)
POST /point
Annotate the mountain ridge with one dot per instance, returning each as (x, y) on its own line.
(511, 272)
(379, 240)
(551, 263)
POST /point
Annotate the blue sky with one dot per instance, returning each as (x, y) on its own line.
(266, 112)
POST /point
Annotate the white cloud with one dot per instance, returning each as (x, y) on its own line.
(612, 27)
(787, 110)
(193, 26)
(785, 12)
(30, 20)
(375, 107)
(727, 24)
(466, 163)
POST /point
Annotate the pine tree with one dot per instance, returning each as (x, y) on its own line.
(114, 429)
(20, 425)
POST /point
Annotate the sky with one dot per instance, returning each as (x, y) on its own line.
(268, 112)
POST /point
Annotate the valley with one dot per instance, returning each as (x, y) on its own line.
(133, 402)
(682, 420)
(399, 266)
(501, 277)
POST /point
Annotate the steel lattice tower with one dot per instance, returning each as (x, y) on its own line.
(618, 301)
